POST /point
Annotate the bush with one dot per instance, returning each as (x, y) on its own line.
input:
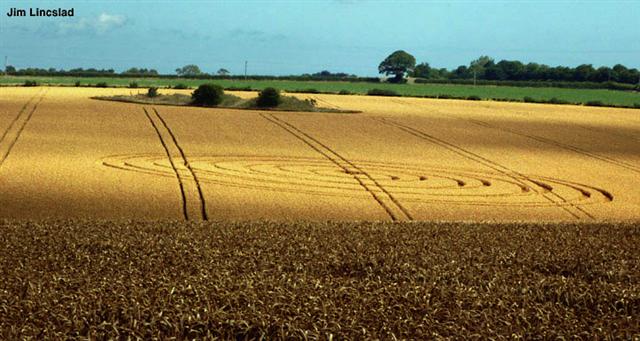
(152, 92)
(30, 83)
(382, 92)
(528, 99)
(534, 84)
(555, 100)
(397, 80)
(366, 79)
(473, 98)
(345, 92)
(133, 85)
(239, 88)
(101, 85)
(636, 105)
(595, 104)
(77, 83)
(180, 86)
(268, 98)
(305, 91)
(445, 96)
(208, 95)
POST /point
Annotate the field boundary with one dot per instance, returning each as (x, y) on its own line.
(395, 211)
(531, 95)
(516, 176)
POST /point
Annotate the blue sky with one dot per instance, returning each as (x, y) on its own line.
(294, 37)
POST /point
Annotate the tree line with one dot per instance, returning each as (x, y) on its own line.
(79, 72)
(485, 68)
(401, 63)
(193, 70)
(187, 71)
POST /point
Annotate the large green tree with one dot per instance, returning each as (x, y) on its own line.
(397, 64)
(478, 66)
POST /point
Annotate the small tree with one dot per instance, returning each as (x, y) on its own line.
(9, 70)
(223, 72)
(268, 98)
(152, 92)
(422, 70)
(208, 95)
(398, 63)
(583, 72)
(189, 70)
(133, 71)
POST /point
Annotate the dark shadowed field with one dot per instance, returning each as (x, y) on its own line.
(68, 279)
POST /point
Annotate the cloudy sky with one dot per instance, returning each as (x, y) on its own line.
(294, 37)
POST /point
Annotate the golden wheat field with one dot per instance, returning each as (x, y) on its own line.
(64, 155)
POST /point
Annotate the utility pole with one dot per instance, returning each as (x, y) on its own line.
(6, 62)
(245, 69)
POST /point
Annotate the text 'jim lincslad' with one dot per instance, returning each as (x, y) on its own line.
(39, 12)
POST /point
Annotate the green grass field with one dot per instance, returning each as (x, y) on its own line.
(576, 96)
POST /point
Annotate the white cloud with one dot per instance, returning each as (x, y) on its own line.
(108, 21)
(103, 23)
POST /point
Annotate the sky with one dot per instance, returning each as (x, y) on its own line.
(295, 37)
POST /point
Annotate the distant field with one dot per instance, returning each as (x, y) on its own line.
(106, 280)
(66, 155)
(578, 96)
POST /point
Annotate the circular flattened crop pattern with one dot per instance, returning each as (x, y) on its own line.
(407, 183)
